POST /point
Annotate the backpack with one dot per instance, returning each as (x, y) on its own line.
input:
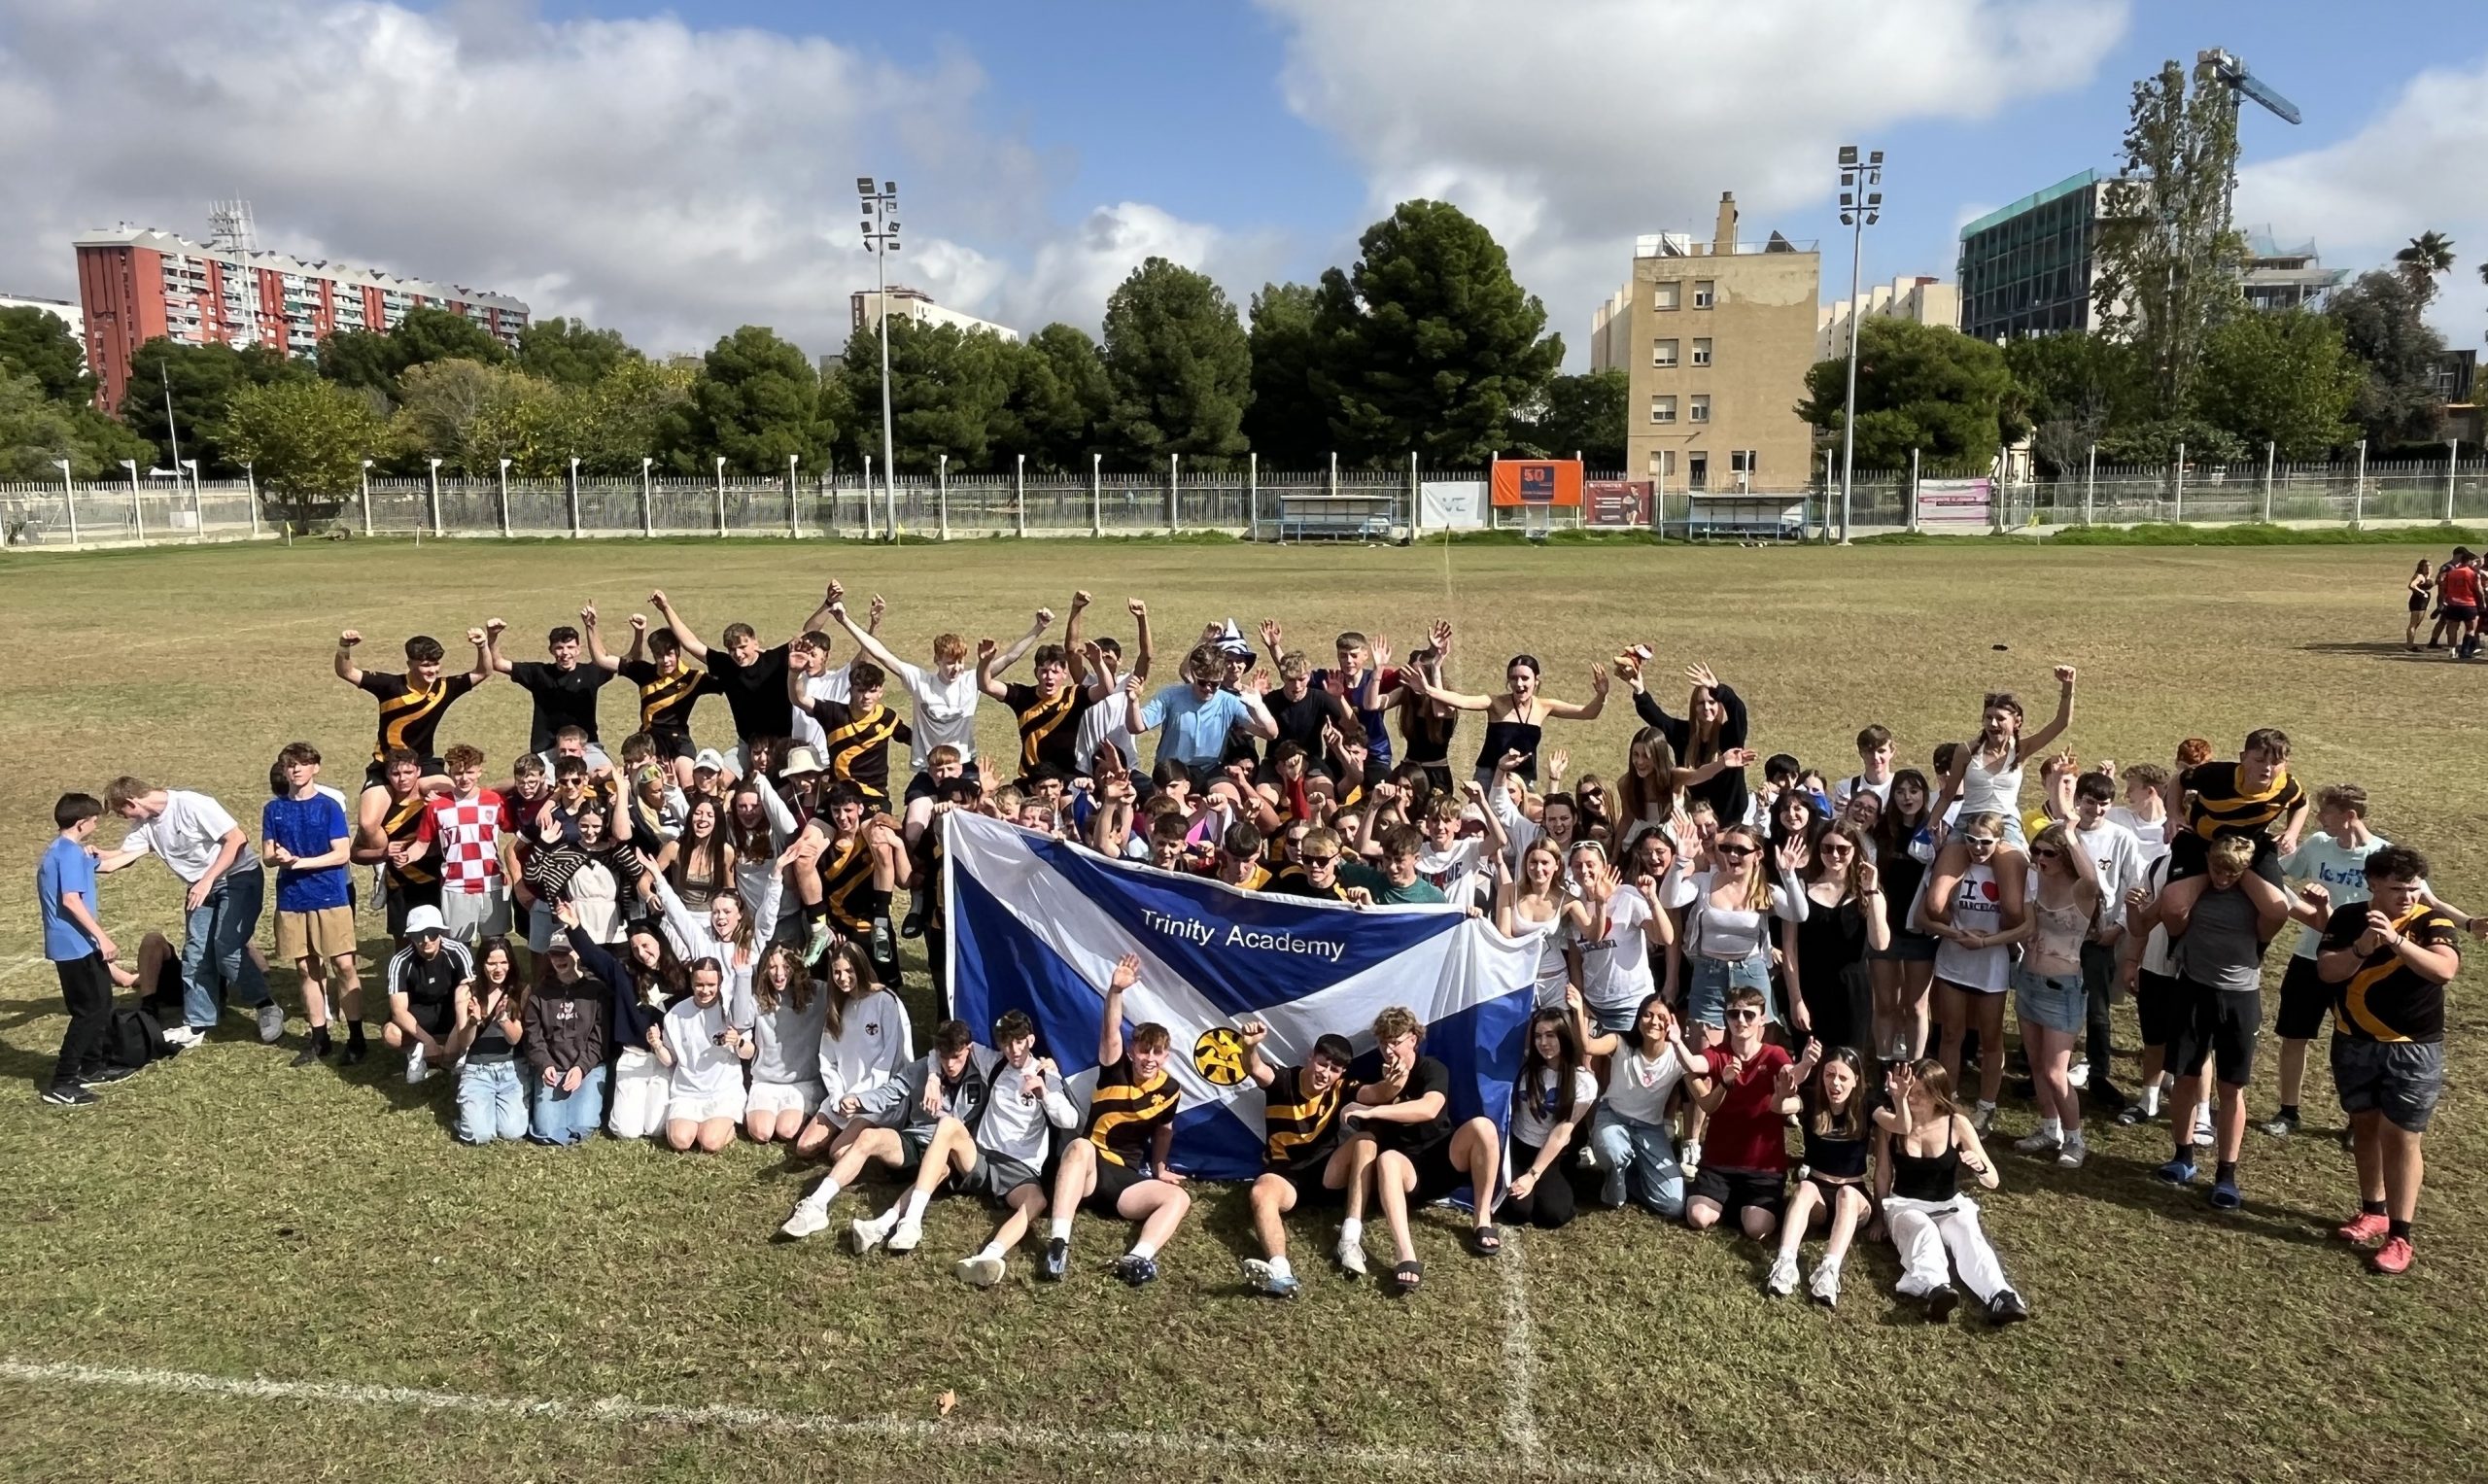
(133, 1038)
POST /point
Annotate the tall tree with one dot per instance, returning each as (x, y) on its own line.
(364, 359)
(1179, 370)
(1581, 414)
(38, 343)
(1945, 394)
(947, 386)
(2382, 319)
(305, 437)
(2075, 388)
(428, 334)
(757, 399)
(1426, 341)
(569, 353)
(621, 419)
(2170, 262)
(37, 432)
(1057, 401)
(2429, 256)
(202, 379)
(2281, 378)
(1289, 425)
(443, 404)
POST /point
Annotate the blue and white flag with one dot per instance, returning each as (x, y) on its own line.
(1037, 924)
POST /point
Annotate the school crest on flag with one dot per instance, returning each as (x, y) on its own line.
(1036, 925)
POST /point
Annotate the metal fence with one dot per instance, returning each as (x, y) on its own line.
(1247, 502)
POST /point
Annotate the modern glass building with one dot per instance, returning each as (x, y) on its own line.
(2027, 269)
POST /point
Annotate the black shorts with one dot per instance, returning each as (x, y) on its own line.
(1113, 1180)
(2222, 1022)
(402, 898)
(2157, 1007)
(2402, 1080)
(2189, 854)
(1731, 1191)
(1828, 1192)
(673, 745)
(2459, 613)
(2305, 1000)
(377, 772)
(2418, 603)
(921, 786)
(994, 1177)
(1436, 1175)
(1308, 1186)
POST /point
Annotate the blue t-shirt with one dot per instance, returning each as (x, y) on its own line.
(306, 827)
(66, 868)
(1194, 729)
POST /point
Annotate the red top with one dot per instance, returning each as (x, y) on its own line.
(1748, 1132)
(2459, 584)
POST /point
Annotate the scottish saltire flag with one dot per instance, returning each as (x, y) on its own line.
(1037, 925)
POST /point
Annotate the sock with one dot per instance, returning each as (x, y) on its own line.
(2402, 1229)
(1280, 1269)
(2053, 1128)
(2371, 1208)
(354, 1034)
(2185, 1150)
(2151, 1101)
(2226, 1172)
(823, 1193)
(1144, 1249)
(320, 1036)
(911, 1209)
(1059, 1230)
(993, 1249)
(2289, 1111)
(1351, 1231)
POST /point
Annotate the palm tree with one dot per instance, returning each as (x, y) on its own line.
(2429, 255)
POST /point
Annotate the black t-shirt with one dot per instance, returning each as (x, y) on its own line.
(1048, 729)
(1301, 722)
(564, 698)
(1291, 880)
(1429, 1075)
(430, 984)
(756, 692)
(666, 700)
(857, 746)
(2385, 1000)
(410, 719)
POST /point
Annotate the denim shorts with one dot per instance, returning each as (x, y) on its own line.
(1706, 996)
(2056, 1001)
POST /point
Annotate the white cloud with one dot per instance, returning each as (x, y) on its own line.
(2420, 163)
(1573, 127)
(1070, 277)
(670, 182)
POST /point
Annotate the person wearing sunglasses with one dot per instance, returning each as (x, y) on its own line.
(1967, 912)
(1316, 872)
(2047, 988)
(1745, 1176)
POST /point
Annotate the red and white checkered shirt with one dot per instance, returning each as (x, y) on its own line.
(467, 833)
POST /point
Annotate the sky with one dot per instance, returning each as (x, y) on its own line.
(675, 172)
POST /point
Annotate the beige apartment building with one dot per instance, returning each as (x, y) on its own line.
(1918, 299)
(1716, 338)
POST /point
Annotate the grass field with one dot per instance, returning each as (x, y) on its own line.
(233, 1270)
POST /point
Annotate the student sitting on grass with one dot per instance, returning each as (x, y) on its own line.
(1121, 1166)
(704, 1050)
(895, 1124)
(1930, 1145)
(492, 1096)
(1834, 1191)
(866, 1038)
(1305, 1162)
(1420, 1155)
(791, 1011)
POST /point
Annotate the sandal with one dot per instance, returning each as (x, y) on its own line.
(1406, 1278)
(1484, 1241)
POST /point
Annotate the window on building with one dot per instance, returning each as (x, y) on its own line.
(1701, 353)
(1663, 463)
(1706, 292)
(1700, 409)
(1666, 296)
(1662, 409)
(1743, 461)
(1697, 471)
(1663, 353)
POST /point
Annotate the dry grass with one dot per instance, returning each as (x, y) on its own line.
(226, 1215)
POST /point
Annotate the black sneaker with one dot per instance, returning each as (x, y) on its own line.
(1940, 1301)
(356, 1050)
(913, 925)
(106, 1074)
(69, 1094)
(1058, 1259)
(2007, 1308)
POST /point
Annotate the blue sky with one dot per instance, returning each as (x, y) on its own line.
(678, 171)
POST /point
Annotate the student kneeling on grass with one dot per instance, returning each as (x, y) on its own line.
(424, 980)
(700, 1046)
(1121, 1167)
(492, 1096)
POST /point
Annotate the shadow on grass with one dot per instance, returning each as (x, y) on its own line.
(2382, 649)
(2117, 1180)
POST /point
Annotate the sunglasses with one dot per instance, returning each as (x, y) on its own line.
(1320, 860)
(2047, 852)
(1736, 850)
(1983, 840)
(1744, 1015)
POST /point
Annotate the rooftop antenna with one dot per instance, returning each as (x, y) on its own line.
(229, 226)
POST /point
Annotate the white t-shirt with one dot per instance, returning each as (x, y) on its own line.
(873, 1041)
(1731, 933)
(2156, 955)
(1615, 968)
(1977, 906)
(2121, 862)
(1018, 1126)
(1535, 1110)
(2150, 834)
(188, 835)
(1853, 784)
(1108, 721)
(1638, 1087)
(944, 711)
(2341, 869)
(701, 1069)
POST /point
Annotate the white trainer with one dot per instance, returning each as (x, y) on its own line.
(808, 1220)
(978, 1271)
(906, 1236)
(1782, 1281)
(415, 1071)
(271, 1022)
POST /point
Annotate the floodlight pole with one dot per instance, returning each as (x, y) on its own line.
(880, 239)
(1859, 208)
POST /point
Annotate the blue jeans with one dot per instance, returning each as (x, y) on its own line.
(1706, 997)
(215, 939)
(492, 1101)
(567, 1118)
(1639, 1159)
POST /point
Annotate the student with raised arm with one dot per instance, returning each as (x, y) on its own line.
(945, 694)
(1928, 1144)
(1744, 1172)
(1120, 1165)
(1107, 722)
(752, 680)
(564, 689)
(1516, 717)
(1048, 712)
(1630, 1140)
(1192, 719)
(1420, 1155)
(669, 689)
(1303, 1159)
(203, 848)
(1831, 1092)
(412, 704)
(1712, 731)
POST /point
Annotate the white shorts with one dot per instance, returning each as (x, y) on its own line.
(476, 915)
(684, 1108)
(779, 1096)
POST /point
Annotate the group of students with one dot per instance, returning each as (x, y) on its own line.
(680, 942)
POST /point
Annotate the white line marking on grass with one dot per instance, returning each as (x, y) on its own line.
(620, 1410)
(1520, 1357)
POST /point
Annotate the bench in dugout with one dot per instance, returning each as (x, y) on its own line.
(1746, 517)
(1337, 517)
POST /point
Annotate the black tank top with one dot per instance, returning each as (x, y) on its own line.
(1833, 1156)
(1426, 737)
(1928, 1176)
(1503, 737)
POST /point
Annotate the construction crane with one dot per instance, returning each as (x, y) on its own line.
(2230, 70)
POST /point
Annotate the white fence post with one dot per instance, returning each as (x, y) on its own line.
(1913, 491)
(2270, 450)
(794, 511)
(574, 497)
(1174, 493)
(868, 498)
(251, 491)
(432, 495)
(2090, 481)
(1019, 493)
(69, 500)
(2453, 461)
(1096, 495)
(137, 516)
(647, 496)
(2358, 492)
(1415, 513)
(505, 497)
(366, 497)
(721, 495)
(942, 494)
(1252, 496)
(2179, 515)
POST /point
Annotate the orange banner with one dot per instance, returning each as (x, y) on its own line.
(1538, 482)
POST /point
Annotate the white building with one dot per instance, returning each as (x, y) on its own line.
(865, 311)
(1921, 299)
(61, 309)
